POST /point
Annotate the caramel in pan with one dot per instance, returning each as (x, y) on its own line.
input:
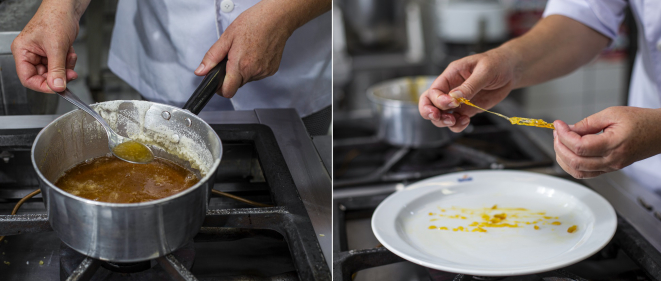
(109, 179)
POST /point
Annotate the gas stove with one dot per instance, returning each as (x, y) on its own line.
(268, 158)
(368, 170)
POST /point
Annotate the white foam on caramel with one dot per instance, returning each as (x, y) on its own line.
(174, 138)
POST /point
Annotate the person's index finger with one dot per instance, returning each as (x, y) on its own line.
(38, 83)
(30, 77)
(587, 145)
(473, 84)
(441, 83)
(216, 53)
(25, 70)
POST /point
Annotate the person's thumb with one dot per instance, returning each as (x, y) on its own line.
(57, 67)
(475, 83)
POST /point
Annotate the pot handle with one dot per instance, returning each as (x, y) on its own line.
(205, 91)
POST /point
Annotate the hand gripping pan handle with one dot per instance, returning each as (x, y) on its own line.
(205, 91)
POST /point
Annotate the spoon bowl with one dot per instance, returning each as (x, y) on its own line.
(122, 147)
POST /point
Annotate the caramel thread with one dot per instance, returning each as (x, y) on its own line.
(514, 120)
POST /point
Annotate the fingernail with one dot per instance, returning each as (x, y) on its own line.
(447, 121)
(200, 68)
(454, 103)
(457, 94)
(58, 82)
(464, 121)
(431, 116)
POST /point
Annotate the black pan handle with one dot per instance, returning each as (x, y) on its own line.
(205, 91)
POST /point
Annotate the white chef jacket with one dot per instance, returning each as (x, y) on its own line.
(605, 16)
(157, 44)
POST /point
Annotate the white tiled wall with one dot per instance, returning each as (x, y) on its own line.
(588, 90)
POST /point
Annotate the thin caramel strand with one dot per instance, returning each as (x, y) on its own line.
(514, 120)
(463, 100)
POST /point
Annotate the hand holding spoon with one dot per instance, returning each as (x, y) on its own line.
(123, 148)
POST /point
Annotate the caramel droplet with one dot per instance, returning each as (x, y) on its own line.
(572, 228)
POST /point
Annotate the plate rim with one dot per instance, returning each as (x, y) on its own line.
(612, 227)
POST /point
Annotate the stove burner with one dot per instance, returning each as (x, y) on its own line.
(110, 271)
(127, 267)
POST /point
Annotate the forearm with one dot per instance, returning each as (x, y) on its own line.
(295, 13)
(556, 46)
(75, 8)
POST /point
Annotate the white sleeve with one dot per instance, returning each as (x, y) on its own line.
(604, 16)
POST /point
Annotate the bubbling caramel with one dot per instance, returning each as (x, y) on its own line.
(109, 179)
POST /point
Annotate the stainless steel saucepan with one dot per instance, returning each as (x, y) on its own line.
(396, 109)
(137, 231)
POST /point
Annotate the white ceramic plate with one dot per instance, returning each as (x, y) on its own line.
(402, 223)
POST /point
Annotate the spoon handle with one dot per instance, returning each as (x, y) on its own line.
(69, 96)
(209, 86)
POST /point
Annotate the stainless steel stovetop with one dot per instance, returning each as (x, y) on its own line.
(269, 158)
(634, 252)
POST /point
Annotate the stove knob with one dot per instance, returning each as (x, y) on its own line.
(644, 204)
(6, 155)
(657, 215)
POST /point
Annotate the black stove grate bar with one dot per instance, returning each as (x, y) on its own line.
(27, 223)
(212, 234)
(290, 219)
(377, 174)
(175, 269)
(347, 263)
(85, 270)
(287, 276)
(178, 272)
(636, 247)
(285, 223)
(555, 275)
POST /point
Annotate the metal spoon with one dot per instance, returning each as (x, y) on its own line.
(124, 148)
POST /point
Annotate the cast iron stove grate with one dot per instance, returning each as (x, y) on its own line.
(286, 227)
(627, 257)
